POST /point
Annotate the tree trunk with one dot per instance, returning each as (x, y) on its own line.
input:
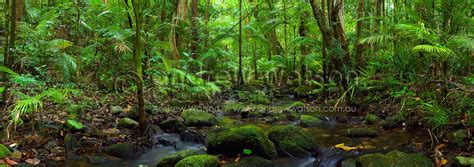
(359, 27)
(194, 29)
(137, 52)
(240, 73)
(9, 60)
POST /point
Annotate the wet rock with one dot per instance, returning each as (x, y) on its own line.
(361, 132)
(458, 138)
(123, 150)
(128, 123)
(167, 139)
(191, 135)
(116, 110)
(234, 140)
(371, 119)
(199, 160)
(292, 140)
(350, 162)
(464, 161)
(394, 159)
(342, 119)
(70, 143)
(309, 121)
(173, 125)
(194, 117)
(171, 160)
(253, 161)
(92, 159)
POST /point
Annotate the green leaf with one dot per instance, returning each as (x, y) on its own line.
(247, 151)
(73, 124)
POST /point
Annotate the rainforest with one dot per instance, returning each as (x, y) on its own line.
(237, 83)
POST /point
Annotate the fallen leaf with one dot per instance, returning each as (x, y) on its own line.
(33, 161)
(345, 148)
(444, 161)
(10, 162)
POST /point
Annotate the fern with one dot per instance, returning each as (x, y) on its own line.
(435, 116)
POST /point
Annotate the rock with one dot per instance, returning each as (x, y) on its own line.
(464, 161)
(74, 125)
(111, 132)
(122, 150)
(194, 117)
(167, 139)
(361, 132)
(70, 143)
(4, 151)
(16, 156)
(458, 138)
(233, 108)
(293, 140)
(394, 159)
(391, 122)
(253, 161)
(128, 123)
(234, 140)
(172, 125)
(309, 121)
(97, 159)
(350, 162)
(199, 161)
(171, 160)
(291, 115)
(297, 106)
(253, 111)
(371, 119)
(191, 135)
(115, 109)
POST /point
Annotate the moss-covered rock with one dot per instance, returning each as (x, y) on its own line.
(234, 140)
(116, 109)
(122, 150)
(4, 151)
(293, 140)
(127, 123)
(297, 105)
(173, 125)
(464, 161)
(199, 161)
(254, 111)
(458, 138)
(394, 159)
(253, 161)
(233, 108)
(361, 132)
(391, 122)
(195, 117)
(259, 97)
(309, 121)
(171, 160)
(70, 142)
(371, 119)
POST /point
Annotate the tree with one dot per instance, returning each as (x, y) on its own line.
(240, 75)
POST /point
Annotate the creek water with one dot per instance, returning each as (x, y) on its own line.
(327, 135)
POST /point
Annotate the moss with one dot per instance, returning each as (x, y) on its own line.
(123, 150)
(4, 151)
(361, 132)
(199, 161)
(309, 121)
(371, 119)
(296, 105)
(195, 117)
(259, 97)
(172, 125)
(233, 141)
(171, 160)
(128, 123)
(254, 111)
(391, 122)
(290, 139)
(253, 161)
(464, 161)
(394, 159)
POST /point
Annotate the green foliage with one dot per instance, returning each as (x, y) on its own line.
(436, 116)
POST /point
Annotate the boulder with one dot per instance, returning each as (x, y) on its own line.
(371, 119)
(292, 140)
(253, 161)
(127, 123)
(309, 121)
(233, 141)
(361, 132)
(394, 159)
(171, 160)
(122, 150)
(173, 125)
(199, 161)
(391, 122)
(116, 109)
(4, 151)
(195, 117)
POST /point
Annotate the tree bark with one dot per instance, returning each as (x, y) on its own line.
(359, 27)
(240, 73)
(194, 29)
